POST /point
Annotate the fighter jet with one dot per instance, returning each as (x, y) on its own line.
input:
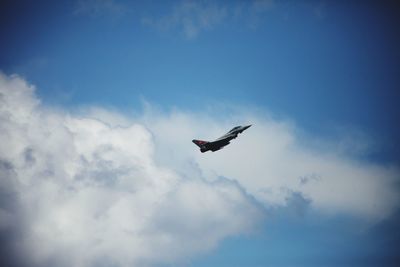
(220, 142)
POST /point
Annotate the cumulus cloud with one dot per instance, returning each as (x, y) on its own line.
(272, 160)
(96, 187)
(77, 191)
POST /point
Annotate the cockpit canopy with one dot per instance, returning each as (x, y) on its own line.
(235, 128)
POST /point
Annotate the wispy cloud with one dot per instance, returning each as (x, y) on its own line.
(190, 18)
(97, 8)
(319, 9)
(252, 13)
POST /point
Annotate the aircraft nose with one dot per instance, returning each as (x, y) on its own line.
(248, 126)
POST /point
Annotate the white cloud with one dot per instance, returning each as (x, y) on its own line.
(271, 161)
(90, 192)
(97, 186)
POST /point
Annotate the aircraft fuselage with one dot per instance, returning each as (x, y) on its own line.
(220, 142)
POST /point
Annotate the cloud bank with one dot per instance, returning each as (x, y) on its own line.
(79, 192)
(272, 160)
(99, 188)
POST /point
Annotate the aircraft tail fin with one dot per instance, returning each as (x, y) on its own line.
(199, 143)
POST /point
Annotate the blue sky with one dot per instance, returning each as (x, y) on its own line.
(329, 67)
